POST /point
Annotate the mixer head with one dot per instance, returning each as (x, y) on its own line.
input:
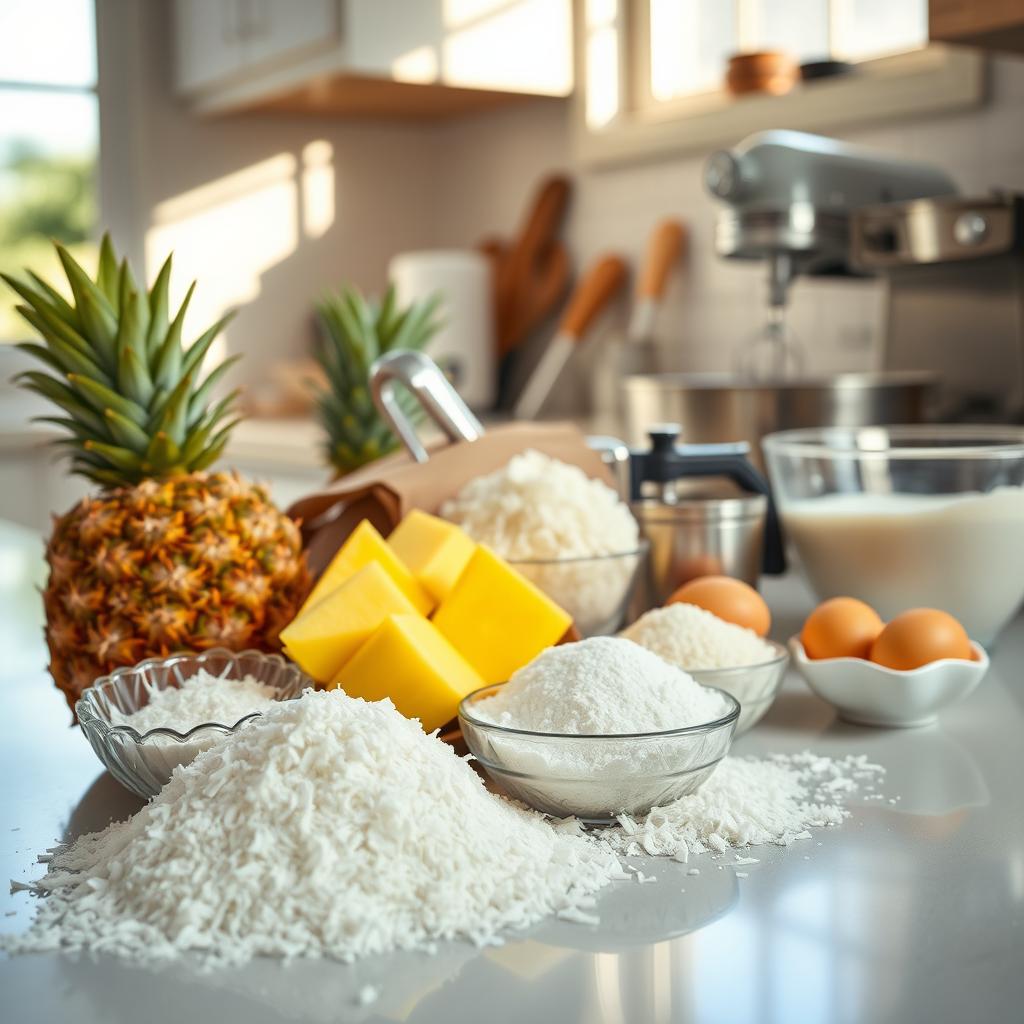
(789, 197)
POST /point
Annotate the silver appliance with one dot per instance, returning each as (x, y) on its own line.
(953, 269)
(788, 198)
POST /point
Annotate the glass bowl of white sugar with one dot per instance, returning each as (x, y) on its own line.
(145, 720)
(755, 686)
(596, 777)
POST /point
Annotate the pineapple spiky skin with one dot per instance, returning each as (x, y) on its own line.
(187, 563)
(166, 556)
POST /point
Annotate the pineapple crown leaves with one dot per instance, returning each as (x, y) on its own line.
(355, 332)
(133, 401)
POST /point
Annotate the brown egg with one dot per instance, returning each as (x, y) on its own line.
(918, 637)
(729, 599)
(842, 627)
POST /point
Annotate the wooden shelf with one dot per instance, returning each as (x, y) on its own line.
(986, 24)
(362, 96)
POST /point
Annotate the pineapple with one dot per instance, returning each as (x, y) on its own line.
(355, 333)
(165, 556)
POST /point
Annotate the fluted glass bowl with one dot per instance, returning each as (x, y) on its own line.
(754, 686)
(143, 762)
(594, 778)
(594, 589)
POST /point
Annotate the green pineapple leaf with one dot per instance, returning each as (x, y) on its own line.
(354, 332)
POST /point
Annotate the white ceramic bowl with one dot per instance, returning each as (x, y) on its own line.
(871, 694)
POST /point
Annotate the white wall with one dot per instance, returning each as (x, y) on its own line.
(401, 186)
(231, 209)
(493, 162)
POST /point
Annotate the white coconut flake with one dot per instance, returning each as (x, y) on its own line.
(201, 698)
(746, 802)
(693, 638)
(329, 827)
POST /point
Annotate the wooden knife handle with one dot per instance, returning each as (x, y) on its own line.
(662, 251)
(592, 294)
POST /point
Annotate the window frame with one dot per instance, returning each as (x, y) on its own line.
(929, 80)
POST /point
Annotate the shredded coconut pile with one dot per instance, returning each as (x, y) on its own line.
(328, 827)
(604, 685)
(201, 698)
(749, 802)
(538, 507)
(693, 638)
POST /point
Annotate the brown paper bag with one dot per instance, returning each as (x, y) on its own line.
(386, 489)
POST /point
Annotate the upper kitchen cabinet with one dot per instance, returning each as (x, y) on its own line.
(987, 24)
(383, 57)
(218, 42)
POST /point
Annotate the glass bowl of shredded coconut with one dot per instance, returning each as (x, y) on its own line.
(146, 720)
(598, 728)
(570, 535)
(716, 653)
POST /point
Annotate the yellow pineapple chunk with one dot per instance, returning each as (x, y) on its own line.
(408, 660)
(497, 619)
(365, 545)
(323, 638)
(435, 550)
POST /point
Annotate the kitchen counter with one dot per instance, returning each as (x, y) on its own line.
(913, 910)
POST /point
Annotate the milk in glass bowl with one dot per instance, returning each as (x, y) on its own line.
(903, 517)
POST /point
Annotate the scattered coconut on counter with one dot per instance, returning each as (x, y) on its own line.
(329, 827)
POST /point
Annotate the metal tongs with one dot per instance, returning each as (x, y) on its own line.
(423, 379)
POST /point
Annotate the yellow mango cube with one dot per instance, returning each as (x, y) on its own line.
(364, 545)
(435, 550)
(323, 638)
(408, 660)
(497, 619)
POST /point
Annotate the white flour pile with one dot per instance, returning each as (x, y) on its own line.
(329, 827)
(604, 686)
(749, 802)
(693, 638)
(538, 508)
(201, 698)
(601, 686)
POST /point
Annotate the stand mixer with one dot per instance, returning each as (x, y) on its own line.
(789, 198)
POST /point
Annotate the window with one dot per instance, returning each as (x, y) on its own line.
(689, 42)
(49, 130)
(653, 71)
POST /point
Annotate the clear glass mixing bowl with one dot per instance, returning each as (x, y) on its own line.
(596, 777)
(144, 761)
(903, 516)
(594, 589)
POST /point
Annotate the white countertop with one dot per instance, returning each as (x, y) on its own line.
(908, 912)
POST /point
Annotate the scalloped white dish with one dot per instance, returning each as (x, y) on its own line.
(869, 694)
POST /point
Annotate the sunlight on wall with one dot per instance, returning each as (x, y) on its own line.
(522, 46)
(317, 188)
(460, 12)
(227, 233)
(418, 66)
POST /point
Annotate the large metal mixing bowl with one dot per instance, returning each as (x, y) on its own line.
(713, 407)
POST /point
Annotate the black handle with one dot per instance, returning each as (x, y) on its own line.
(667, 461)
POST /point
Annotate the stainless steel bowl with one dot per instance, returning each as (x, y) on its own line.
(713, 407)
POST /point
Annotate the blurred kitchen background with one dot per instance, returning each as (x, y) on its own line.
(282, 148)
